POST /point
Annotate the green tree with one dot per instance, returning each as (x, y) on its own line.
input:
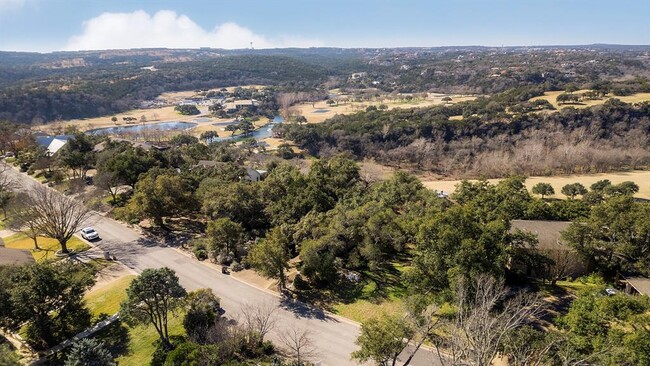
(623, 188)
(245, 126)
(208, 136)
(202, 313)
(285, 195)
(47, 299)
(543, 189)
(330, 180)
(89, 352)
(239, 201)
(383, 339)
(615, 236)
(232, 128)
(125, 163)
(574, 189)
(8, 357)
(605, 329)
(78, 155)
(508, 199)
(151, 297)
(601, 185)
(285, 151)
(271, 256)
(458, 241)
(114, 119)
(187, 110)
(224, 236)
(159, 194)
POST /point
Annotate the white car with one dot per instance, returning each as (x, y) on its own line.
(89, 233)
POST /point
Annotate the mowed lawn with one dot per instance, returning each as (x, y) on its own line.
(141, 342)
(141, 338)
(382, 292)
(640, 177)
(107, 299)
(48, 246)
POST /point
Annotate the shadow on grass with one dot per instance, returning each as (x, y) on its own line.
(116, 339)
(376, 286)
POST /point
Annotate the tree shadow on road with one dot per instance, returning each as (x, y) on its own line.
(302, 310)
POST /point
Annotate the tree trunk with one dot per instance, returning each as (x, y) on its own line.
(36, 247)
(64, 246)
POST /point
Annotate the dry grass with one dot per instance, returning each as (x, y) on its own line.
(552, 98)
(640, 177)
(153, 115)
(309, 111)
(48, 246)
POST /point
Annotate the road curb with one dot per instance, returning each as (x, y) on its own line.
(275, 294)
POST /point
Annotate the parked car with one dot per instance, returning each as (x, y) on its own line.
(610, 292)
(89, 233)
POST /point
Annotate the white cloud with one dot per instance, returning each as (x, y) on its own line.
(11, 4)
(168, 29)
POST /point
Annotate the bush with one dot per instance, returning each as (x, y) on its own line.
(200, 250)
(180, 354)
(236, 266)
(299, 283)
(224, 259)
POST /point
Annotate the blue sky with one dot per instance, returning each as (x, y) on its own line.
(49, 25)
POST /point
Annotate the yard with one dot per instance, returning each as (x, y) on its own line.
(133, 345)
(48, 246)
(379, 292)
(107, 299)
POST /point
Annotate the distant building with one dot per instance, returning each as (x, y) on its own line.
(239, 104)
(53, 143)
(255, 175)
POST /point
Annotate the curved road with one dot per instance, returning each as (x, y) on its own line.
(333, 336)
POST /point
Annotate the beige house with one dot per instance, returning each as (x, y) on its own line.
(567, 263)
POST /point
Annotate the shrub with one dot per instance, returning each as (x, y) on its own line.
(200, 250)
(236, 266)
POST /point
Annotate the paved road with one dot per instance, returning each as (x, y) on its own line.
(334, 337)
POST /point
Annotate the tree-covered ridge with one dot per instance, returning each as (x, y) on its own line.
(102, 91)
(93, 83)
(489, 141)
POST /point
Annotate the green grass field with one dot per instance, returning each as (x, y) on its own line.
(382, 292)
(107, 299)
(139, 344)
(48, 246)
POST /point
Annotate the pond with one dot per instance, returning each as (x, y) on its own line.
(261, 133)
(321, 111)
(162, 126)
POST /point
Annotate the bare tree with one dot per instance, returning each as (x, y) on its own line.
(259, 319)
(109, 182)
(299, 343)
(484, 318)
(54, 215)
(424, 322)
(7, 187)
(564, 262)
(20, 219)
